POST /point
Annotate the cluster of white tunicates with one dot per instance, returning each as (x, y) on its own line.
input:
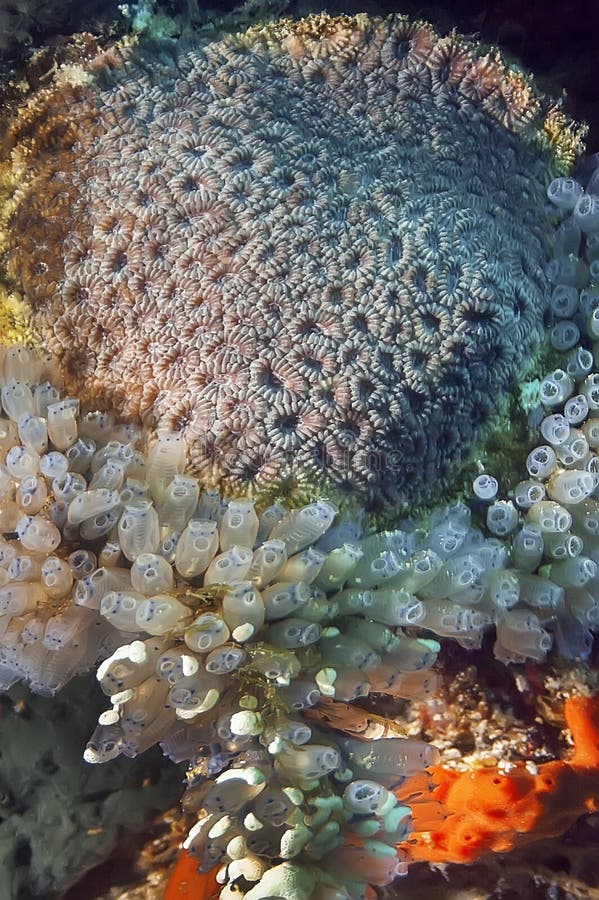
(215, 628)
(238, 637)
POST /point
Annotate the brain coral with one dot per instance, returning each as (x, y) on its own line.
(315, 247)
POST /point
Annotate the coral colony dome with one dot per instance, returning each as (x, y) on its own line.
(314, 249)
(309, 259)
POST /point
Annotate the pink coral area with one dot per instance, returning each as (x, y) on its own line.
(468, 814)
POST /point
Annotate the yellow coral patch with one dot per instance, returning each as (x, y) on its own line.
(15, 324)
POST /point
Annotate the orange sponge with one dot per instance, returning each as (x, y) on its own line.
(483, 811)
(186, 883)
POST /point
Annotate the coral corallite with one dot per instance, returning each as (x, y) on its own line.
(315, 246)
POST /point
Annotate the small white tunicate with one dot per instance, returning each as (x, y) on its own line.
(309, 761)
(99, 525)
(338, 565)
(588, 301)
(564, 301)
(166, 458)
(574, 451)
(571, 486)
(112, 450)
(160, 614)
(586, 214)
(579, 362)
(591, 250)
(502, 518)
(540, 592)
(17, 399)
(62, 628)
(520, 632)
(196, 548)
(564, 193)
(243, 604)
(62, 423)
(56, 577)
(239, 525)
(593, 324)
(37, 533)
(23, 597)
(91, 503)
(24, 568)
(67, 486)
(54, 464)
(206, 632)
(567, 239)
(20, 363)
(586, 515)
(283, 598)
(555, 429)
(33, 432)
(43, 395)
(527, 547)
(293, 633)
(576, 409)
(541, 462)
(90, 589)
(120, 608)
(225, 659)
(485, 487)
(110, 476)
(303, 566)
(110, 554)
(562, 546)
(550, 516)
(82, 563)
(555, 389)
(32, 494)
(22, 461)
(503, 588)
(79, 454)
(528, 492)
(573, 572)
(394, 607)
(564, 335)
(180, 501)
(590, 389)
(8, 434)
(139, 528)
(151, 574)
(568, 270)
(229, 567)
(304, 526)
(590, 429)
(97, 426)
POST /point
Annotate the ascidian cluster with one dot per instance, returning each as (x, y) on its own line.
(217, 631)
(238, 639)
